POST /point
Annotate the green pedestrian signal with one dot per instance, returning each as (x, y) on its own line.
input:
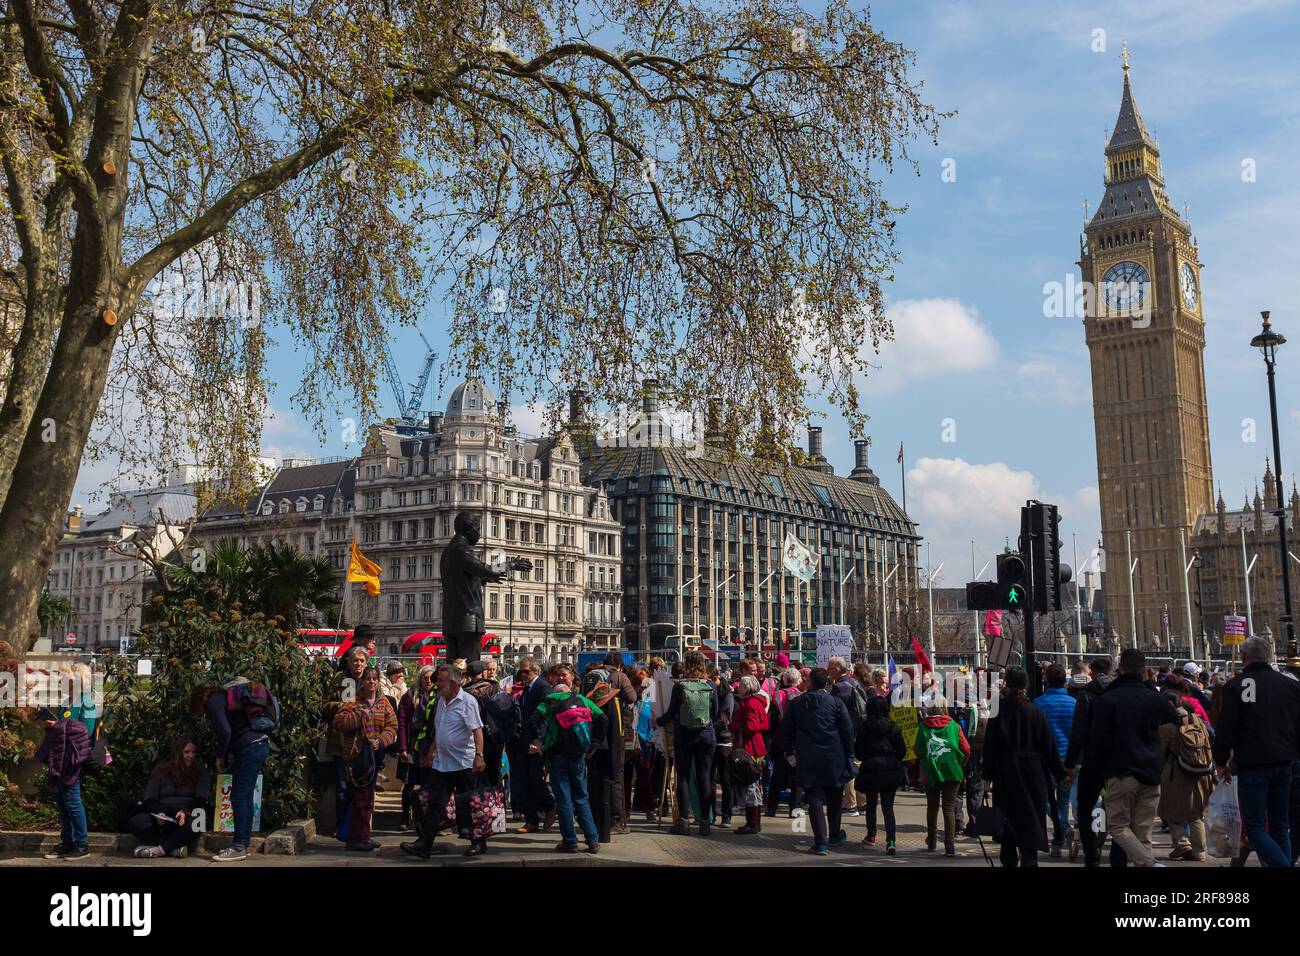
(1012, 595)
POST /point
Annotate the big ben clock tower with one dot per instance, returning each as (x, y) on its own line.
(1146, 338)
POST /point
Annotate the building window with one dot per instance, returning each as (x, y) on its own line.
(426, 606)
(395, 531)
(523, 607)
(318, 503)
(394, 607)
(409, 602)
(510, 606)
(539, 608)
(426, 567)
(492, 601)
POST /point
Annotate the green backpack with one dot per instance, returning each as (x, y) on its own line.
(694, 714)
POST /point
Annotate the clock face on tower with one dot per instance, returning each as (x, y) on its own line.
(1124, 287)
(1187, 283)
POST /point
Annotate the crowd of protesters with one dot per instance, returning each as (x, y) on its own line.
(1101, 754)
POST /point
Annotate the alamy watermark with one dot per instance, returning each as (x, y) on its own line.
(1081, 299)
(57, 688)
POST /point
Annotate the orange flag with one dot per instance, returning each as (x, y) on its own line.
(364, 570)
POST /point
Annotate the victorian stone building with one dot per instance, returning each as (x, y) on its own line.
(1146, 336)
(399, 499)
(532, 504)
(1225, 542)
(306, 504)
(99, 565)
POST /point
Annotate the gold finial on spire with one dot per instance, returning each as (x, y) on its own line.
(1124, 55)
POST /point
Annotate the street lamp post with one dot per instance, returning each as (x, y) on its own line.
(1268, 343)
(1200, 604)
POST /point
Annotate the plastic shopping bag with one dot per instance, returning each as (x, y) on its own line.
(1223, 821)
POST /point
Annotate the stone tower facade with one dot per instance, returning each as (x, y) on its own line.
(1146, 337)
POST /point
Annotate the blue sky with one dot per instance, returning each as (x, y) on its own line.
(975, 360)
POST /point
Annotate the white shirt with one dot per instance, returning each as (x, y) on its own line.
(455, 721)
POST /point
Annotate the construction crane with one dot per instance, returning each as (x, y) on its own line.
(409, 408)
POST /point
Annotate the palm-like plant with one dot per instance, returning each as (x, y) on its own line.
(273, 579)
(289, 582)
(52, 609)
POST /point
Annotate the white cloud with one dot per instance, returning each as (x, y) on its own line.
(957, 502)
(286, 435)
(932, 338)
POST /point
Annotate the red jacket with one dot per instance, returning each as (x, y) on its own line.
(748, 722)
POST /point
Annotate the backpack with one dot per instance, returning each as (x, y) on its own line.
(500, 718)
(858, 706)
(573, 721)
(592, 679)
(255, 700)
(694, 713)
(1192, 748)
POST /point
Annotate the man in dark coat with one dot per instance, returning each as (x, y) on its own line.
(531, 797)
(462, 576)
(1021, 759)
(1257, 739)
(1125, 737)
(817, 728)
(1090, 781)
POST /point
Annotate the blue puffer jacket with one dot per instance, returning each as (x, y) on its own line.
(1058, 707)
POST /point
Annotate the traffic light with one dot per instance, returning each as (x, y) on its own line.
(1012, 595)
(1040, 536)
(982, 596)
(1007, 593)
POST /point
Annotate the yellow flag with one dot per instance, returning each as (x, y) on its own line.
(364, 570)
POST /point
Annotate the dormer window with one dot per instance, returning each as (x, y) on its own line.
(284, 506)
(300, 504)
(267, 507)
(318, 503)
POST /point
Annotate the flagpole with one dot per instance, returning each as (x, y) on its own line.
(902, 473)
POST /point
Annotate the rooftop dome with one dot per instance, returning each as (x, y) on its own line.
(470, 398)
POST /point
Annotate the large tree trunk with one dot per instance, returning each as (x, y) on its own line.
(27, 374)
(42, 482)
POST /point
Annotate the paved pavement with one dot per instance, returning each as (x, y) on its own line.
(783, 842)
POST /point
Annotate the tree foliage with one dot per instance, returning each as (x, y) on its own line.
(192, 647)
(272, 579)
(600, 192)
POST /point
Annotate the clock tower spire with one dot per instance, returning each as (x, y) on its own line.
(1145, 335)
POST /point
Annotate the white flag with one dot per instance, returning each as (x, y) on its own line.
(798, 560)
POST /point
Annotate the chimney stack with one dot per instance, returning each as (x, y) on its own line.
(814, 441)
(713, 434)
(861, 470)
(577, 406)
(650, 396)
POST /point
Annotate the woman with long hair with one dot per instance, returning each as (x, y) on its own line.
(880, 749)
(364, 748)
(410, 716)
(163, 822)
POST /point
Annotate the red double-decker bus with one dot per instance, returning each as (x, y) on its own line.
(428, 645)
(431, 646)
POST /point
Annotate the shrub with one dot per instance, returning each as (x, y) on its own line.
(192, 646)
